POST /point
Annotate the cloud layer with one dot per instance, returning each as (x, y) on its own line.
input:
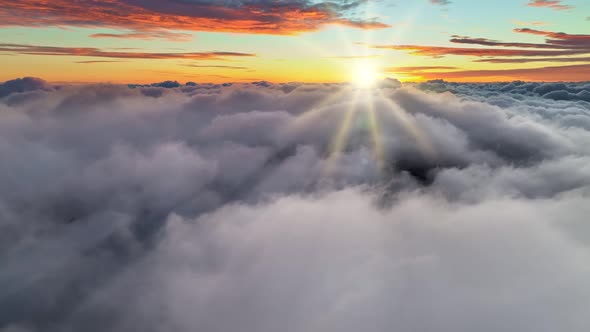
(294, 207)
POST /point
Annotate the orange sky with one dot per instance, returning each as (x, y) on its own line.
(130, 41)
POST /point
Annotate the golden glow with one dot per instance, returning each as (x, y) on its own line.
(365, 74)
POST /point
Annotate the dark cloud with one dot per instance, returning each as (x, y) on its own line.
(251, 207)
(22, 85)
(565, 95)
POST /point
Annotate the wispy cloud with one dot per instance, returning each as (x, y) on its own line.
(532, 23)
(553, 4)
(525, 60)
(556, 44)
(440, 2)
(415, 69)
(441, 51)
(146, 35)
(555, 73)
(95, 52)
(98, 61)
(488, 42)
(214, 66)
(560, 38)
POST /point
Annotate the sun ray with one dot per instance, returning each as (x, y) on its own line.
(339, 142)
(424, 144)
(375, 130)
(318, 108)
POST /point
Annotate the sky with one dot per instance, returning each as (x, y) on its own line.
(132, 41)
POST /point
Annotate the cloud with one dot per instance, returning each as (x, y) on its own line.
(22, 85)
(294, 207)
(560, 38)
(533, 23)
(167, 35)
(211, 66)
(553, 4)
(98, 61)
(441, 51)
(487, 42)
(95, 52)
(416, 69)
(553, 73)
(525, 60)
(440, 2)
(557, 44)
(154, 17)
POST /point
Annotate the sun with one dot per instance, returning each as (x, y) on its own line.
(365, 75)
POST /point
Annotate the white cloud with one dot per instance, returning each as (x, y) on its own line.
(217, 208)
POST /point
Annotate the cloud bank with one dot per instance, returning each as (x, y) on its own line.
(294, 207)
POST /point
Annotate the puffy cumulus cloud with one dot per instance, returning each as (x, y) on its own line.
(297, 207)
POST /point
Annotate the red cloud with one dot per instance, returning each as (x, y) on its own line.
(264, 17)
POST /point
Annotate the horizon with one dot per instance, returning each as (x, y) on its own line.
(188, 83)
